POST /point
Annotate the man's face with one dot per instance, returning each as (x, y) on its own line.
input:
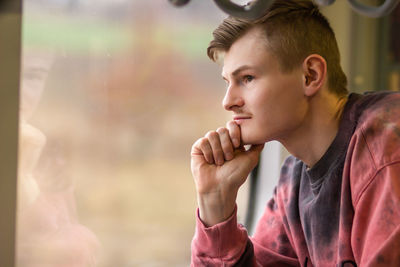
(266, 103)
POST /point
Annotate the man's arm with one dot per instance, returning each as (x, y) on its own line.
(220, 166)
(376, 228)
(227, 243)
(224, 244)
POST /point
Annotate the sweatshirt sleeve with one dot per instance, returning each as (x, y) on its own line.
(224, 244)
(376, 229)
(228, 244)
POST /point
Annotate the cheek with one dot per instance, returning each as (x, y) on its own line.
(292, 114)
(279, 115)
(290, 102)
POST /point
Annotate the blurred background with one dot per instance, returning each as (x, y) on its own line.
(113, 95)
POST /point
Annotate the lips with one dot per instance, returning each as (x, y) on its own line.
(241, 119)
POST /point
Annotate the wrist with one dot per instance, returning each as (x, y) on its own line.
(215, 208)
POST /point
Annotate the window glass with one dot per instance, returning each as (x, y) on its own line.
(393, 55)
(113, 95)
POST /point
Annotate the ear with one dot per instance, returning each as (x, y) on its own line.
(314, 74)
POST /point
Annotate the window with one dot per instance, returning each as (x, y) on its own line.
(113, 95)
(389, 59)
(374, 52)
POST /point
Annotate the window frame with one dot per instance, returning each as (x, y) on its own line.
(10, 54)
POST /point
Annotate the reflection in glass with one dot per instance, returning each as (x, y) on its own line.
(394, 51)
(114, 93)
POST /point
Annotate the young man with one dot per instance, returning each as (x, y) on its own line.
(337, 202)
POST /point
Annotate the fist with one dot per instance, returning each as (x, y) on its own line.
(220, 165)
(219, 162)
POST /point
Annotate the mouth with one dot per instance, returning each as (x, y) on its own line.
(240, 119)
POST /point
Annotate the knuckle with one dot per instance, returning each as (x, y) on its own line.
(222, 130)
(233, 128)
(196, 143)
(194, 146)
(211, 134)
(231, 124)
(203, 141)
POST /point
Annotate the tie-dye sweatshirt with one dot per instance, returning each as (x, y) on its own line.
(344, 211)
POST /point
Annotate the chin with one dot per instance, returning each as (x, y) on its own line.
(249, 140)
(253, 139)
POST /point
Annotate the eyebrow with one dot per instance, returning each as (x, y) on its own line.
(238, 70)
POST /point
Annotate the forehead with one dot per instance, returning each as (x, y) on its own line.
(251, 50)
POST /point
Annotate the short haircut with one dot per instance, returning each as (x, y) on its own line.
(294, 29)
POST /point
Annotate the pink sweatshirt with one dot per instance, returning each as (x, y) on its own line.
(345, 211)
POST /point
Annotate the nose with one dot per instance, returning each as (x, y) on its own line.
(233, 99)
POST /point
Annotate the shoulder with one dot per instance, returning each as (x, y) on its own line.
(379, 127)
(375, 143)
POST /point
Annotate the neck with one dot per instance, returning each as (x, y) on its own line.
(312, 138)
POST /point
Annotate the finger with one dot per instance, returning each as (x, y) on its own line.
(203, 148)
(213, 139)
(226, 143)
(207, 150)
(234, 133)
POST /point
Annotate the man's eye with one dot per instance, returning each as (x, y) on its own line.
(248, 78)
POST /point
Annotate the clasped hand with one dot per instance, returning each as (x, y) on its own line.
(220, 165)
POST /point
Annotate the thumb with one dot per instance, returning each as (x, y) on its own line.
(246, 161)
(254, 153)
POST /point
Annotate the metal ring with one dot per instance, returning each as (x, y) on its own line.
(258, 8)
(179, 2)
(324, 2)
(253, 11)
(374, 12)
